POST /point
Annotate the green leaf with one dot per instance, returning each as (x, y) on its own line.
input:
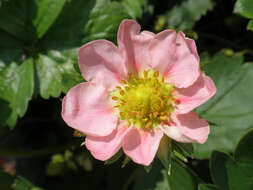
(56, 72)
(250, 25)
(104, 21)
(6, 180)
(230, 175)
(47, 12)
(244, 8)
(23, 184)
(185, 16)
(134, 7)
(244, 149)
(10, 49)
(207, 187)
(67, 30)
(230, 110)
(17, 85)
(29, 19)
(158, 178)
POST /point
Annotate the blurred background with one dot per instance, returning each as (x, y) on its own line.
(39, 40)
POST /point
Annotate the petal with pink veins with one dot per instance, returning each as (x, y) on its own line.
(175, 57)
(134, 45)
(103, 148)
(141, 146)
(100, 61)
(189, 98)
(192, 127)
(86, 107)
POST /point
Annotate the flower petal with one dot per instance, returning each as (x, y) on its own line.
(174, 133)
(134, 45)
(86, 108)
(176, 57)
(141, 146)
(192, 127)
(100, 61)
(103, 148)
(162, 49)
(201, 91)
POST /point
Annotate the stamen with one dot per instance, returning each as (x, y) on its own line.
(145, 101)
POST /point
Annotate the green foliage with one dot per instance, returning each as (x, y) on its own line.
(158, 178)
(134, 7)
(230, 110)
(250, 25)
(102, 23)
(39, 41)
(42, 37)
(9, 182)
(185, 15)
(21, 183)
(17, 84)
(234, 173)
(245, 8)
(207, 187)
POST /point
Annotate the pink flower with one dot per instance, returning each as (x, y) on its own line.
(137, 92)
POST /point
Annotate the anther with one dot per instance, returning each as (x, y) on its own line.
(115, 98)
(155, 114)
(121, 92)
(163, 118)
(145, 74)
(156, 74)
(122, 114)
(124, 81)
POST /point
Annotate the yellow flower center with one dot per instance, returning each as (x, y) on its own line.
(144, 101)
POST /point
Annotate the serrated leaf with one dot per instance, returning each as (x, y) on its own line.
(29, 19)
(104, 21)
(230, 110)
(17, 85)
(56, 72)
(134, 7)
(185, 16)
(67, 30)
(47, 12)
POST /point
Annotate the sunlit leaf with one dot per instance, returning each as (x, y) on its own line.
(230, 110)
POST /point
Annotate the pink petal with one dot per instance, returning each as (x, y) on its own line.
(100, 61)
(201, 91)
(162, 50)
(86, 108)
(141, 146)
(174, 133)
(102, 148)
(176, 57)
(134, 45)
(192, 127)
